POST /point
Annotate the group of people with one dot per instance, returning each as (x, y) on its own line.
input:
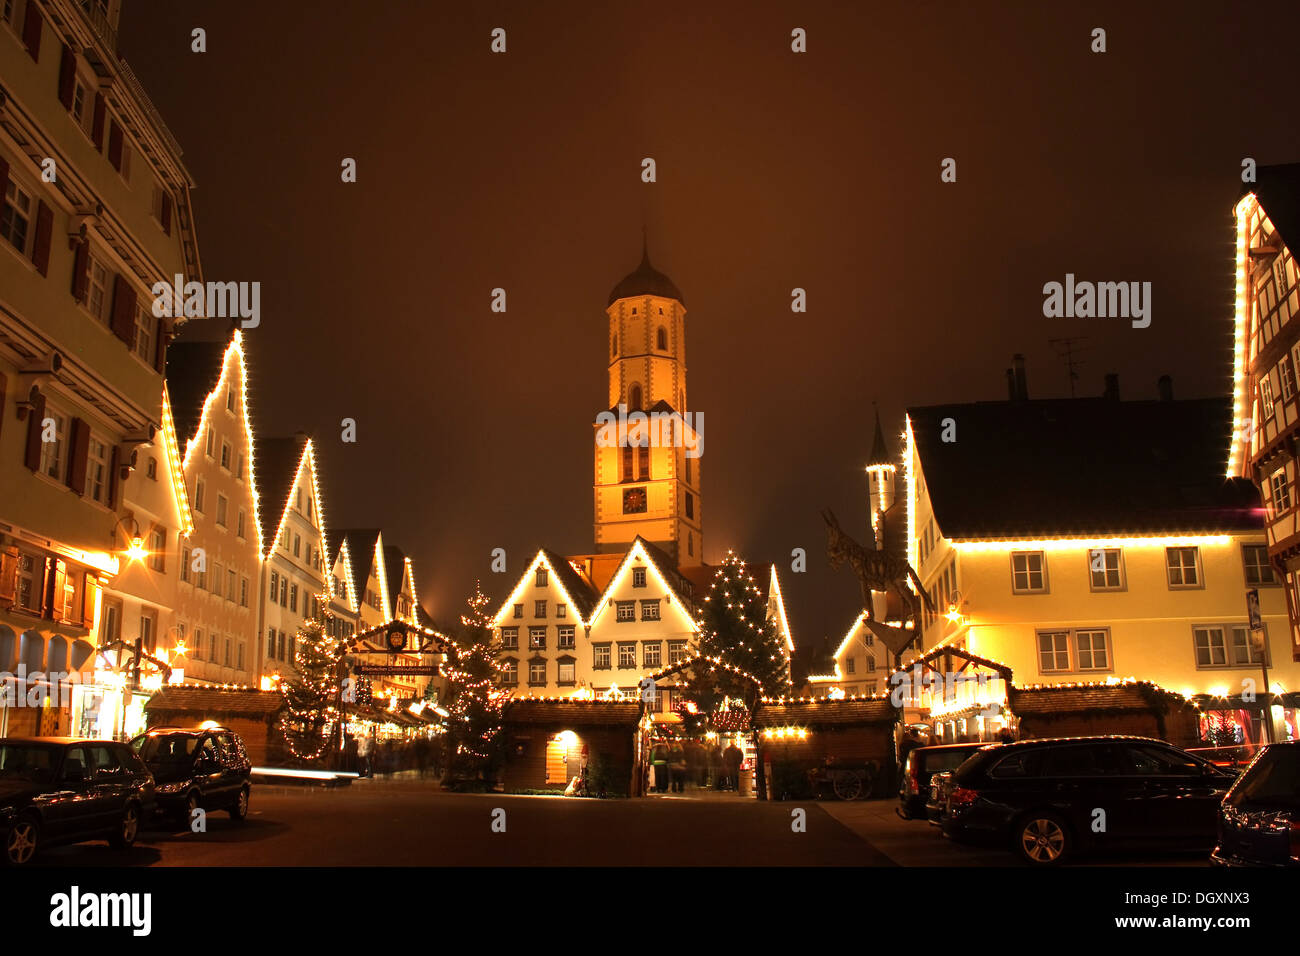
(367, 756)
(675, 763)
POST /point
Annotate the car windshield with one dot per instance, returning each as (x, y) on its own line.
(1272, 782)
(168, 748)
(33, 762)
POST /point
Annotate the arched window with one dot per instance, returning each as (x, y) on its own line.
(661, 339)
(634, 398)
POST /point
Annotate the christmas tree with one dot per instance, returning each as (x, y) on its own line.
(312, 696)
(474, 703)
(735, 629)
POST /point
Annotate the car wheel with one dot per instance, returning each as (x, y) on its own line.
(128, 829)
(240, 810)
(1043, 838)
(191, 804)
(22, 841)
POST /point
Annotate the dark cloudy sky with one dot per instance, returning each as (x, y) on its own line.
(775, 170)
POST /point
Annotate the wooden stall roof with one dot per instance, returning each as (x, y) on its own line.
(825, 711)
(1095, 698)
(203, 701)
(595, 712)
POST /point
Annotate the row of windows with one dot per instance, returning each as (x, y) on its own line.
(224, 581)
(1106, 572)
(565, 638)
(226, 650)
(661, 343)
(652, 656)
(280, 646)
(1088, 649)
(539, 609)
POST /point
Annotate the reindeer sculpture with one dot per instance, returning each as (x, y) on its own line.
(878, 571)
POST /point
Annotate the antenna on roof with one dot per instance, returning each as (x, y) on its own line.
(1065, 351)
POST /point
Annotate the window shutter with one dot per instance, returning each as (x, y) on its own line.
(164, 339)
(9, 576)
(81, 271)
(97, 124)
(32, 30)
(124, 311)
(115, 145)
(4, 177)
(80, 454)
(44, 232)
(167, 212)
(56, 576)
(88, 590)
(34, 416)
(4, 391)
(112, 479)
(67, 76)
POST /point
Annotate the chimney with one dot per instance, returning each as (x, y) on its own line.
(1166, 387)
(1022, 388)
(1112, 386)
(1011, 385)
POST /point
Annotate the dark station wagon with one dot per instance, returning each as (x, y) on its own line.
(205, 767)
(68, 789)
(1259, 819)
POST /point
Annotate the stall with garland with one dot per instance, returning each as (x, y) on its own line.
(253, 714)
(1136, 707)
(809, 744)
(552, 741)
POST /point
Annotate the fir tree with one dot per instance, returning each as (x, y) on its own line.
(473, 701)
(312, 695)
(735, 629)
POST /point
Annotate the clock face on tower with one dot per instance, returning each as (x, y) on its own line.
(634, 501)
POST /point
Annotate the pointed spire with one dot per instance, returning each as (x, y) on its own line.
(879, 450)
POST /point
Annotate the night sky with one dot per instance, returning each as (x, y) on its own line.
(775, 170)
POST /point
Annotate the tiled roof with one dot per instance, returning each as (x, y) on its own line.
(193, 370)
(395, 565)
(1062, 700)
(361, 551)
(825, 712)
(645, 280)
(578, 713)
(215, 702)
(275, 466)
(1278, 190)
(1086, 467)
(582, 594)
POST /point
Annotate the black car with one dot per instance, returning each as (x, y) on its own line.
(1259, 819)
(921, 764)
(69, 789)
(1051, 798)
(204, 767)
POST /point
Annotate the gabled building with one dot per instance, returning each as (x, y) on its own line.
(1266, 400)
(1094, 540)
(219, 566)
(94, 209)
(295, 583)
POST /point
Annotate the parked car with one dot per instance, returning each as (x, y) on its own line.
(68, 789)
(1235, 757)
(1049, 799)
(204, 767)
(921, 764)
(1259, 819)
(937, 804)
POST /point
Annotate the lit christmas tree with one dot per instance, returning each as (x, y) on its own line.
(474, 703)
(735, 629)
(310, 717)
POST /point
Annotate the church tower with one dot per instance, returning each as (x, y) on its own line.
(647, 482)
(880, 480)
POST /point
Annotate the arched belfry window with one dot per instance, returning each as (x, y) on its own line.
(634, 398)
(661, 339)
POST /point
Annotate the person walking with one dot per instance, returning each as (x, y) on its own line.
(715, 766)
(659, 761)
(677, 767)
(732, 757)
(364, 747)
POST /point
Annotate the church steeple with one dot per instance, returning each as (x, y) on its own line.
(880, 477)
(649, 490)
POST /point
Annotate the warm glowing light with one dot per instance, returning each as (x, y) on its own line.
(209, 725)
(1063, 544)
(136, 550)
(1240, 417)
(568, 738)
